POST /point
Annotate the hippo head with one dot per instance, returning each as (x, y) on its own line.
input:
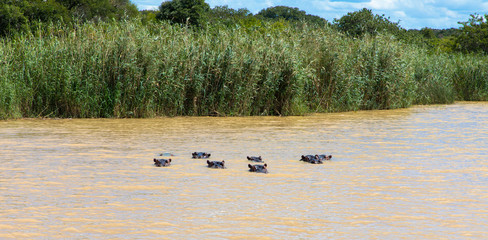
(258, 168)
(216, 164)
(162, 162)
(200, 155)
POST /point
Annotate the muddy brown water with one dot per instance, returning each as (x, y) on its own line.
(417, 173)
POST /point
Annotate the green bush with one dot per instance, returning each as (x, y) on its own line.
(184, 11)
(12, 20)
(362, 22)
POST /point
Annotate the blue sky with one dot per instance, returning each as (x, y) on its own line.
(413, 14)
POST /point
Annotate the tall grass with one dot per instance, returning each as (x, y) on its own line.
(127, 69)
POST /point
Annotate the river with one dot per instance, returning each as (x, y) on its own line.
(416, 173)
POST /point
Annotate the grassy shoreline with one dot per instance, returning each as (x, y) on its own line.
(128, 69)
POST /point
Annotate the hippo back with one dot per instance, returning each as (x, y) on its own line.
(255, 159)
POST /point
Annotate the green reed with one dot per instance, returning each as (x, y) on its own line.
(129, 69)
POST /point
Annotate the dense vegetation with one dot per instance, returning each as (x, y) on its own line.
(229, 62)
(19, 16)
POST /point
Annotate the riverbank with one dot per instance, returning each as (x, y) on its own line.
(128, 69)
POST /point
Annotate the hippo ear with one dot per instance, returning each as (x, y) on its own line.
(265, 165)
(155, 160)
(250, 166)
(223, 162)
(208, 162)
(169, 160)
(248, 158)
(330, 156)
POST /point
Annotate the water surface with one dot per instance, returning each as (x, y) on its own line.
(417, 173)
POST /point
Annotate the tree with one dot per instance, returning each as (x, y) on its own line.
(359, 23)
(45, 11)
(284, 12)
(20, 15)
(184, 11)
(473, 35)
(99, 9)
(290, 14)
(427, 33)
(148, 16)
(227, 15)
(12, 20)
(224, 12)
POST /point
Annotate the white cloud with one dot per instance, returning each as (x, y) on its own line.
(383, 4)
(400, 14)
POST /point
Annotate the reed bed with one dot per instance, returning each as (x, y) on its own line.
(129, 69)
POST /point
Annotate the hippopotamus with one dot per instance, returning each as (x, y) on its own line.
(307, 158)
(258, 168)
(162, 162)
(200, 155)
(255, 159)
(166, 154)
(216, 164)
(323, 157)
(311, 159)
